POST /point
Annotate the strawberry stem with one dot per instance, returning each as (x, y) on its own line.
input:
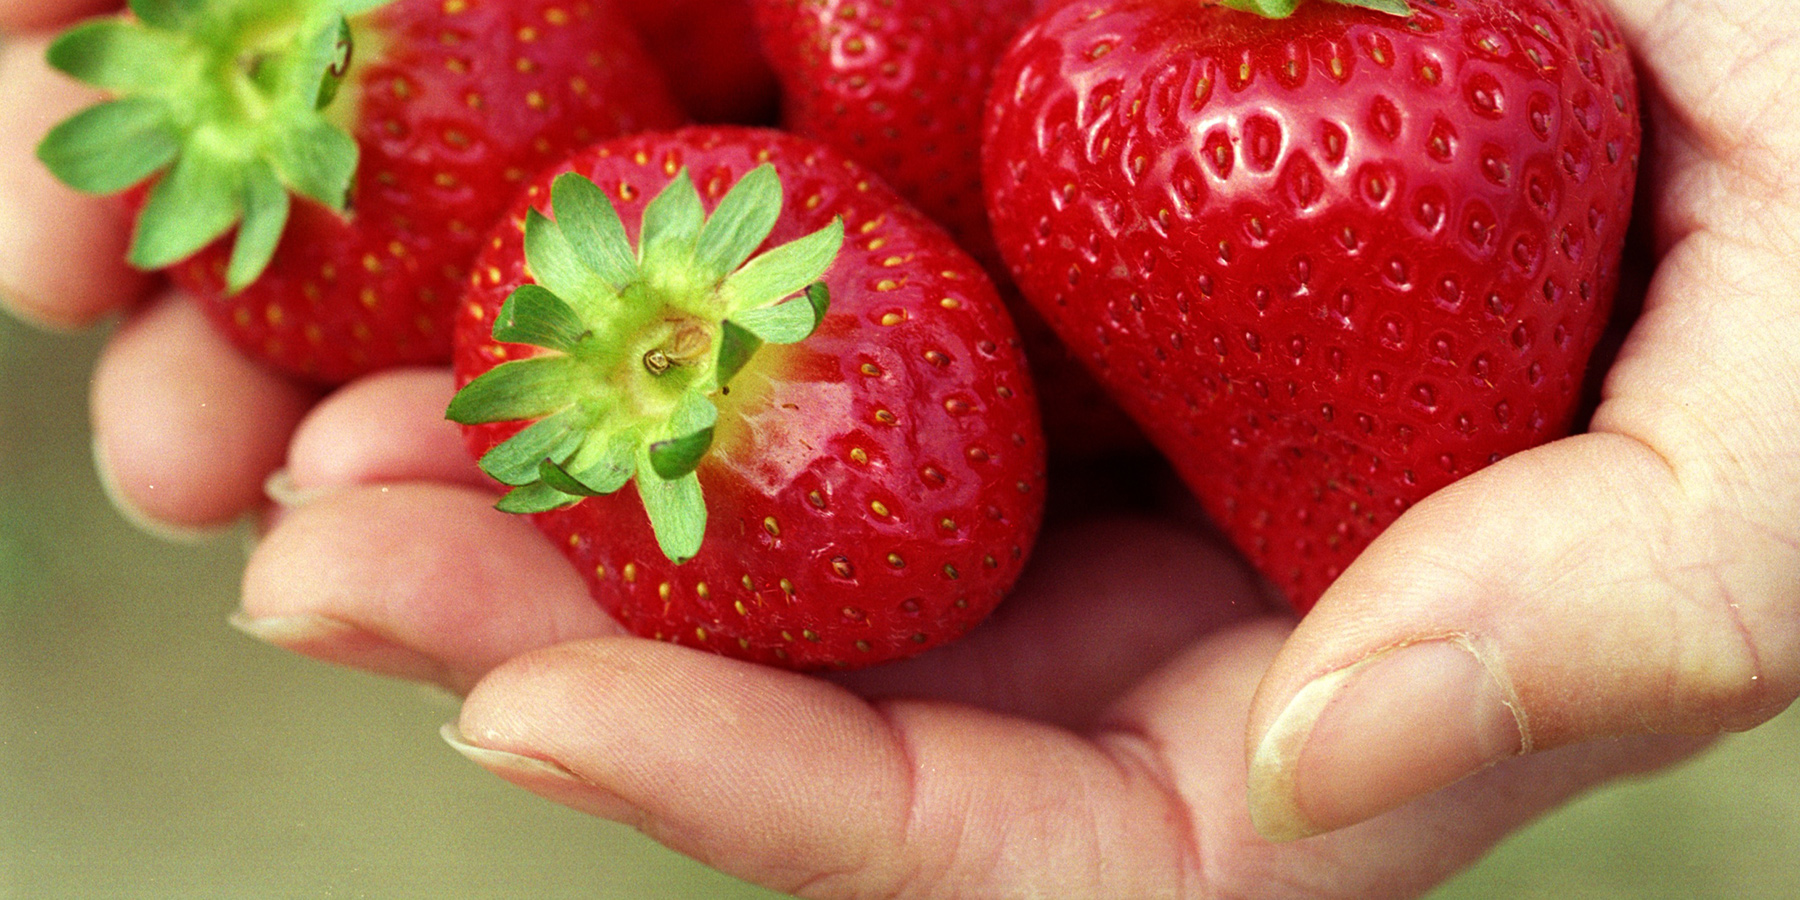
(225, 100)
(634, 343)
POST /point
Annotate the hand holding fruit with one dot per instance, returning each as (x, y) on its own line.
(1630, 582)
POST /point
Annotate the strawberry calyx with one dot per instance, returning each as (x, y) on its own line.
(634, 343)
(1281, 9)
(228, 102)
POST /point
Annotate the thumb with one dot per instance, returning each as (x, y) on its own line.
(1574, 592)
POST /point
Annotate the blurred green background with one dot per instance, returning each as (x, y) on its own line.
(147, 750)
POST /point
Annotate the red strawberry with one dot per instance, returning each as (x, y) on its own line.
(1331, 262)
(900, 86)
(867, 485)
(359, 149)
(709, 51)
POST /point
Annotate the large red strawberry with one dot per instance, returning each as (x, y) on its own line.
(784, 418)
(1330, 262)
(901, 87)
(322, 169)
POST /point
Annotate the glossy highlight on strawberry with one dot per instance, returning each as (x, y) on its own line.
(872, 479)
(1331, 262)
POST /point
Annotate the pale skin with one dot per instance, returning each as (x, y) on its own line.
(1597, 607)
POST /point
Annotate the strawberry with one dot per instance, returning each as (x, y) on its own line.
(318, 173)
(795, 432)
(709, 51)
(1330, 262)
(901, 86)
(898, 85)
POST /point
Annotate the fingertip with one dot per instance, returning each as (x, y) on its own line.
(1366, 738)
(1565, 595)
(185, 429)
(690, 745)
(385, 427)
(325, 638)
(62, 253)
(139, 503)
(416, 580)
(544, 777)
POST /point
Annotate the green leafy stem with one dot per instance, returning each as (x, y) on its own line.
(225, 100)
(634, 343)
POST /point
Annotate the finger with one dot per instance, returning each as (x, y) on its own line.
(792, 783)
(1638, 579)
(415, 580)
(186, 430)
(62, 253)
(1567, 595)
(1103, 602)
(1401, 853)
(386, 427)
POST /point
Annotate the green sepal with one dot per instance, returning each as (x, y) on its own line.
(536, 497)
(199, 200)
(266, 207)
(216, 97)
(603, 465)
(671, 229)
(169, 15)
(553, 261)
(317, 160)
(736, 346)
(593, 230)
(515, 461)
(677, 512)
(534, 315)
(784, 270)
(739, 224)
(518, 389)
(789, 321)
(109, 147)
(331, 55)
(1281, 9)
(692, 425)
(117, 56)
(558, 479)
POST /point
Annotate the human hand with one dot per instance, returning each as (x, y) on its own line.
(1637, 579)
(185, 429)
(975, 770)
(1111, 763)
(1078, 744)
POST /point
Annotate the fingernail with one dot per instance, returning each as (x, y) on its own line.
(280, 488)
(334, 640)
(1399, 724)
(543, 777)
(142, 521)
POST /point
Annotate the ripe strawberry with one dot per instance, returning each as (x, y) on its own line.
(1330, 262)
(900, 86)
(359, 148)
(872, 474)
